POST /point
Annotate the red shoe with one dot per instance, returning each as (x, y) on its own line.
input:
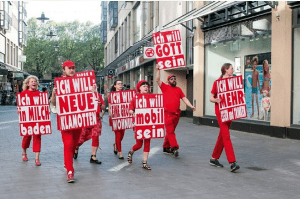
(25, 159)
(70, 177)
(37, 163)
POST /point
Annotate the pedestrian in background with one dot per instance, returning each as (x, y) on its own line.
(172, 95)
(69, 137)
(224, 141)
(143, 88)
(30, 84)
(119, 134)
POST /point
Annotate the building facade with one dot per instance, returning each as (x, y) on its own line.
(256, 37)
(12, 40)
(129, 29)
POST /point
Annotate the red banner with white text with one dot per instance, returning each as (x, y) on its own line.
(34, 113)
(168, 49)
(119, 108)
(75, 101)
(231, 94)
(149, 116)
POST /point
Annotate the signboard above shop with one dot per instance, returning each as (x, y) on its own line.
(149, 53)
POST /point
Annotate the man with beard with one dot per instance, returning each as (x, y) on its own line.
(172, 95)
(69, 137)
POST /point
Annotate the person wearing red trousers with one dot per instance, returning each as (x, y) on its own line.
(143, 88)
(172, 95)
(92, 133)
(30, 84)
(117, 86)
(224, 141)
(70, 137)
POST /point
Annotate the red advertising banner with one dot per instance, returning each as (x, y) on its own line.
(233, 103)
(168, 49)
(149, 116)
(34, 113)
(76, 103)
(119, 107)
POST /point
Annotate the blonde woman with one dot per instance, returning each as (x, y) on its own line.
(30, 85)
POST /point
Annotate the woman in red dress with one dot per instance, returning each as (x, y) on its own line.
(92, 133)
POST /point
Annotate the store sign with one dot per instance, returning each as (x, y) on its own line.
(231, 93)
(149, 52)
(149, 116)
(76, 103)
(168, 49)
(34, 113)
(132, 64)
(137, 61)
(119, 108)
(22, 58)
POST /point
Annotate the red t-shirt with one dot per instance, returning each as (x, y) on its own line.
(172, 96)
(214, 91)
(28, 91)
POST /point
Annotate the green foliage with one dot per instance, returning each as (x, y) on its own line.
(77, 42)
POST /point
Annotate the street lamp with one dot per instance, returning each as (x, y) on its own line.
(42, 18)
(51, 34)
(56, 47)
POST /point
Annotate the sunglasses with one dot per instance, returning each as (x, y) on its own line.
(172, 78)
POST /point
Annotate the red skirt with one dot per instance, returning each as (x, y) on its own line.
(88, 133)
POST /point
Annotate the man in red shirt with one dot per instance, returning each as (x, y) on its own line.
(172, 95)
(70, 137)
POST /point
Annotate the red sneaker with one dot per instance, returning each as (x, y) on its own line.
(70, 177)
(25, 159)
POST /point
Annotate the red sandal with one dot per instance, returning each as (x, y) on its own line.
(37, 162)
(25, 159)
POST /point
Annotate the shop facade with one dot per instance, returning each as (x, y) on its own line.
(249, 35)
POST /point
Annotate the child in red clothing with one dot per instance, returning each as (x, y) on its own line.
(143, 88)
(30, 84)
(224, 141)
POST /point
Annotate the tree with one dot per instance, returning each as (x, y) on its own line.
(77, 42)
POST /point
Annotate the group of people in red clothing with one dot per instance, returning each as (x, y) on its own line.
(73, 139)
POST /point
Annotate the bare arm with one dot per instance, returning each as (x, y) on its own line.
(213, 99)
(158, 76)
(53, 97)
(109, 110)
(187, 102)
(258, 80)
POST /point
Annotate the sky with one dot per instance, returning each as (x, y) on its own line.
(65, 11)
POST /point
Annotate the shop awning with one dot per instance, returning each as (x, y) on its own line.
(294, 4)
(11, 68)
(198, 13)
(124, 55)
(222, 12)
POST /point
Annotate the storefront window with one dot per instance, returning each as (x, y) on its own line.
(296, 72)
(246, 52)
(138, 21)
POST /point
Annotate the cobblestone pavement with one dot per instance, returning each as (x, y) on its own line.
(270, 167)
